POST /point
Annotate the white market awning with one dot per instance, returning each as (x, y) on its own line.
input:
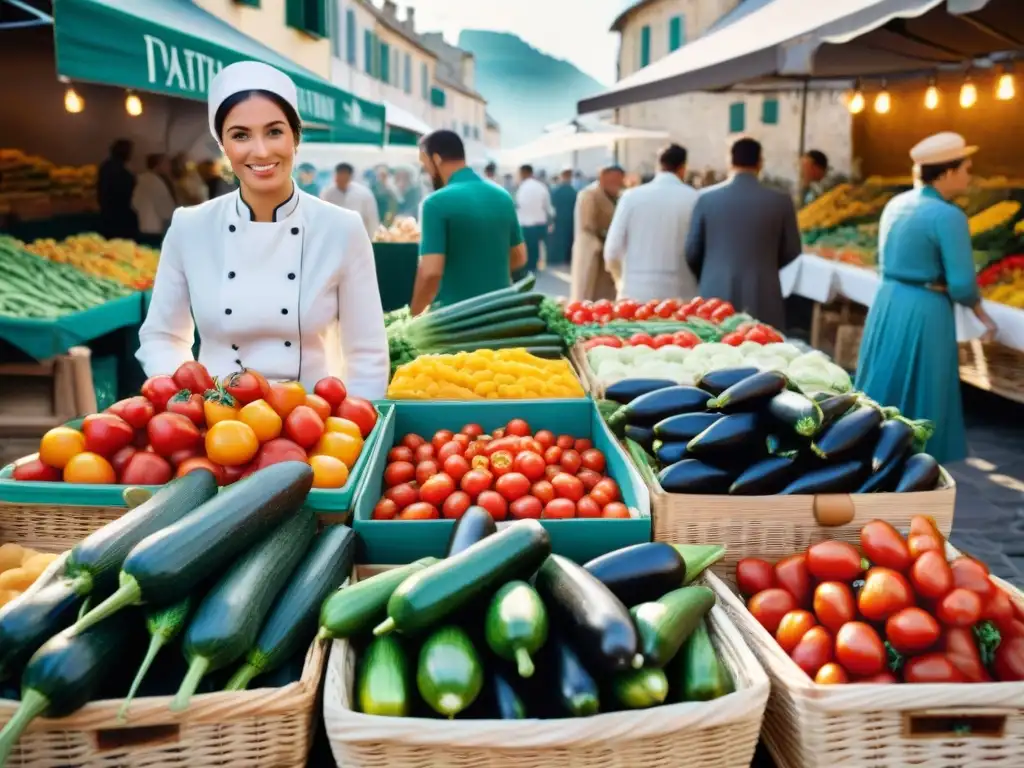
(397, 117)
(573, 139)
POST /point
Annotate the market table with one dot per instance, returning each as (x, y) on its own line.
(396, 272)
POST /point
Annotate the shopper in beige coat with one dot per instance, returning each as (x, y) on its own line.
(595, 206)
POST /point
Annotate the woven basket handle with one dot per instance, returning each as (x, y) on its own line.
(144, 737)
(831, 509)
(956, 723)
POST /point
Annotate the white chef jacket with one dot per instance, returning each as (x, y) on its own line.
(269, 295)
(533, 200)
(647, 240)
(356, 198)
(153, 202)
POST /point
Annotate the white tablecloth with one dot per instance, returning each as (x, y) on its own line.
(823, 280)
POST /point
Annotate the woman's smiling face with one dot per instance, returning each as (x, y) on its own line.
(260, 144)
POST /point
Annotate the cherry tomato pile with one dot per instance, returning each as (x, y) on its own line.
(759, 333)
(189, 420)
(603, 310)
(683, 338)
(893, 611)
(512, 472)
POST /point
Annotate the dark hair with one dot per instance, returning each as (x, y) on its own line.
(817, 157)
(445, 144)
(344, 168)
(491, 168)
(745, 153)
(933, 172)
(122, 149)
(235, 99)
(153, 160)
(672, 158)
(613, 169)
(526, 170)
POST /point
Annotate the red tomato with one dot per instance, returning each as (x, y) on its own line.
(1009, 661)
(106, 434)
(480, 462)
(587, 507)
(722, 312)
(565, 442)
(455, 467)
(501, 463)
(419, 510)
(885, 677)
(403, 495)
(322, 407)
(960, 608)
(497, 434)
(859, 649)
(546, 438)
(685, 339)
(616, 510)
(605, 492)
(146, 468)
(158, 390)
(120, 459)
(960, 646)
(509, 445)
(758, 336)
(512, 486)
(733, 339)
(575, 306)
(793, 626)
(791, 574)
(543, 490)
(385, 509)
(426, 470)
(559, 509)
(642, 313)
(834, 561)
(171, 432)
(462, 440)
(473, 430)
(931, 668)
(194, 377)
(641, 340)
(754, 575)
(188, 404)
(424, 452)
(919, 543)
(570, 461)
(831, 674)
(526, 507)
(451, 448)
(567, 487)
(234, 474)
(33, 470)
(529, 464)
(201, 462)
(178, 457)
(663, 340)
(412, 441)
(360, 411)
(399, 472)
(998, 608)
(517, 427)
(401, 453)
(553, 455)
(475, 482)
(278, 451)
(912, 630)
(441, 437)
(137, 411)
(303, 426)
(332, 389)
(589, 478)
(625, 309)
(528, 444)
(247, 386)
(666, 308)
(883, 545)
(885, 592)
(551, 470)
(970, 574)
(813, 651)
(931, 575)
(593, 460)
(582, 317)
(435, 489)
(834, 604)
(770, 605)
(455, 506)
(494, 503)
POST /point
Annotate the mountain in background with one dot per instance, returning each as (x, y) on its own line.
(525, 88)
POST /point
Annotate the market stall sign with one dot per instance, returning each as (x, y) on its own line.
(142, 44)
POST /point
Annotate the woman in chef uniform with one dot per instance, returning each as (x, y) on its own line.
(270, 273)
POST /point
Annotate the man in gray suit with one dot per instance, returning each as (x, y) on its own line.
(741, 235)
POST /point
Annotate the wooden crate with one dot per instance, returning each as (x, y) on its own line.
(993, 367)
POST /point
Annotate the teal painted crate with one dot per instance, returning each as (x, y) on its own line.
(321, 500)
(397, 542)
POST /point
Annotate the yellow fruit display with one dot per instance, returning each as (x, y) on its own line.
(993, 217)
(124, 261)
(486, 374)
(843, 203)
(19, 568)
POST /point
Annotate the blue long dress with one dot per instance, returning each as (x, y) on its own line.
(908, 354)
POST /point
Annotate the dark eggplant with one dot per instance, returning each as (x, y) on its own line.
(767, 477)
(739, 433)
(850, 432)
(836, 478)
(640, 573)
(834, 406)
(750, 393)
(894, 438)
(921, 473)
(796, 411)
(669, 453)
(628, 390)
(578, 692)
(785, 444)
(33, 619)
(694, 476)
(685, 426)
(884, 480)
(647, 410)
(642, 436)
(474, 525)
(716, 382)
(507, 704)
(593, 618)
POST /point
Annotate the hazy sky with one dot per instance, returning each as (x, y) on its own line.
(575, 30)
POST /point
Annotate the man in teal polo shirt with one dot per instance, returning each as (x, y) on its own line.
(470, 241)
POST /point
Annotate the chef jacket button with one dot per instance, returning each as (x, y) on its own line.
(234, 347)
(284, 311)
(295, 230)
(231, 275)
(238, 362)
(227, 311)
(291, 275)
(231, 227)
(287, 343)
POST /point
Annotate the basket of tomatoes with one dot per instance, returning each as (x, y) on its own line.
(190, 420)
(552, 461)
(898, 651)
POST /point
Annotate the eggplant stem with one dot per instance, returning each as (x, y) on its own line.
(33, 704)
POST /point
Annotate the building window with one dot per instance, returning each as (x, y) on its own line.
(437, 97)
(310, 16)
(407, 74)
(425, 81)
(476, 132)
(737, 117)
(465, 130)
(368, 46)
(645, 46)
(385, 63)
(350, 37)
(676, 33)
(334, 28)
(250, 3)
(396, 72)
(770, 112)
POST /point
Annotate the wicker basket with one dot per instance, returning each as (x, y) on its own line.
(993, 367)
(51, 527)
(884, 726)
(578, 358)
(717, 734)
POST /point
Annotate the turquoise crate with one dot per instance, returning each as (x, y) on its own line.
(76, 494)
(398, 542)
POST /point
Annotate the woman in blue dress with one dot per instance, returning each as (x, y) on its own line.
(908, 355)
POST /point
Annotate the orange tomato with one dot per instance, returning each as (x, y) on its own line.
(59, 445)
(341, 446)
(286, 396)
(328, 472)
(89, 468)
(262, 419)
(322, 407)
(338, 424)
(231, 443)
(219, 407)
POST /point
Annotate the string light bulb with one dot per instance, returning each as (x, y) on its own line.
(968, 94)
(73, 103)
(1006, 88)
(133, 104)
(856, 102)
(883, 101)
(931, 96)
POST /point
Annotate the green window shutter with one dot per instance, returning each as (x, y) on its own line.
(368, 51)
(295, 13)
(676, 33)
(407, 74)
(425, 81)
(350, 37)
(645, 46)
(737, 117)
(250, 3)
(385, 62)
(770, 112)
(307, 15)
(437, 97)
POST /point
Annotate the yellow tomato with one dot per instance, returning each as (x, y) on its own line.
(219, 407)
(341, 446)
(262, 419)
(231, 443)
(59, 445)
(345, 426)
(90, 468)
(328, 471)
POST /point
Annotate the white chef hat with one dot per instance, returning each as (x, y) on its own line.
(249, 76)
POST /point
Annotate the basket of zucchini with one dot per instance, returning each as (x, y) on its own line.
(505, 655)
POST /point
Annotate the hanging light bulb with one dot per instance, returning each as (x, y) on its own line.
(931, 96)
(1006, 89)
(133, 105)
(883, 101)
(968, 94)
(856, 102)
(73, 103)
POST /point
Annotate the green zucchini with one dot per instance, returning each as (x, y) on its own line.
(750, 393)
(382, 685)
(627, 390)
(845, 477)
(475, 525)
(699, 557)
(848, 433)
(292, 622)
(640, 688)
(921, 473)
(642, 436)
(716, 382)
(449, 675)
(796, 411)
(516, 625)
(665, 624)
(547, 352)
(536, 341)
(475, 305)
(734, 435)
(96, 560)
(670, 453)
(834, 406)
(497, 316)
(31, 620)
(894, 439)
(358, 608)
(578, 693)
(766, 477)
(647, 410)
(700, 674)
(641, 572)
(168, 565)
(685, 426)
(163, 625)
(594, 620)
(439, 590)
(228, 619)
(694, 476)
(488, 332)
